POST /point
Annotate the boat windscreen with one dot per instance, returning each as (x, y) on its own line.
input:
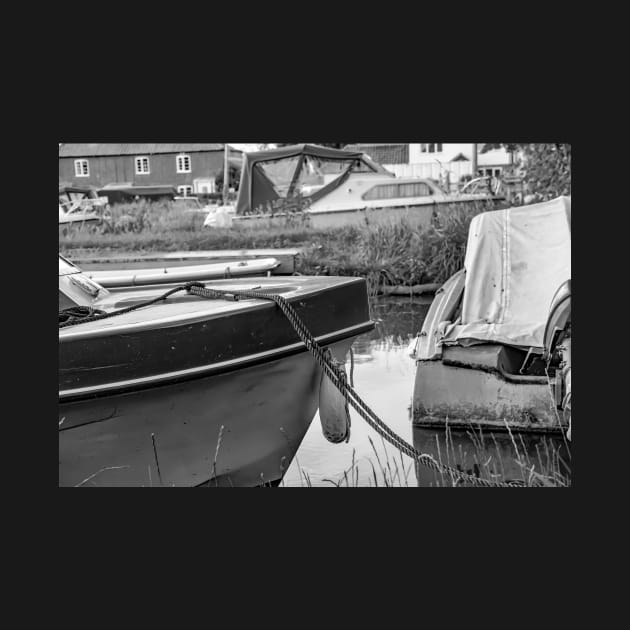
(303, 175)
(66, 267)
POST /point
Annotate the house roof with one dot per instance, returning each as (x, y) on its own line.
(102, 149)
(383, 153)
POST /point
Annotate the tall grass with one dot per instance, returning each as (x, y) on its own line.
(542, 466)
(394, 253)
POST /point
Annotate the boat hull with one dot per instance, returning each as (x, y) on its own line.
(464, 395)
(259, 413)
(421, 216)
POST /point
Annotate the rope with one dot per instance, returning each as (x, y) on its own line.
(83, 314)
(324, 359)
(338, 378)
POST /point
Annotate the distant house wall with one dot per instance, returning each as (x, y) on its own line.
(163, 169)
(436, 164)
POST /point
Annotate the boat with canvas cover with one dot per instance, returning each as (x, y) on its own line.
(480, 355)
(188, 391)
(331, 188)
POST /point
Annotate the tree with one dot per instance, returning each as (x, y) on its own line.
(546, 167)
(235, 178)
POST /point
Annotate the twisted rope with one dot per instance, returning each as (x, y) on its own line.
(338, 377)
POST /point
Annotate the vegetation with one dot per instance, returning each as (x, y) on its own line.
(544, 466)
(391, 254)
(546, 167)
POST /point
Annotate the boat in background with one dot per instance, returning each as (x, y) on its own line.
(331, 188)
(480, 355)
(286, 257)
(80, 204)
(192, 391)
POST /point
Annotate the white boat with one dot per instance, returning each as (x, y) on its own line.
(80, 204)
(480, 357)
(332, 188)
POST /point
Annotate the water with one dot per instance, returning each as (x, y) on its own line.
(384, 377)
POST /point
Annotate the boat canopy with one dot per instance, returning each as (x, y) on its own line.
(307, 170)
(515, 261)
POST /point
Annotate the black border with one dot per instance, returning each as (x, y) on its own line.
(472, 529)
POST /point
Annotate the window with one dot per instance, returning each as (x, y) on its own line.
(185, 191)
(183, 163)
(416, 189)
(431, 148)
(395, 191)
(142, 166)
(81, 168)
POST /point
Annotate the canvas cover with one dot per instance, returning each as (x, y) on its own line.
(308, 169)
(515, 261)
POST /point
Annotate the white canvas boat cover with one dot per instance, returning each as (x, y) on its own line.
(515, 261)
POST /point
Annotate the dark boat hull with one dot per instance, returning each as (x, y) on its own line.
(265, 411)
(192, 390)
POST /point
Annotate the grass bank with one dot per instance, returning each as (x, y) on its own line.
(389, 254)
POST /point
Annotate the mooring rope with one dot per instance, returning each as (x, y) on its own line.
(327, 363)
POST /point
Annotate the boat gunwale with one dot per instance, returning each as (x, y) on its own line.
(247, 304)
(223, 367)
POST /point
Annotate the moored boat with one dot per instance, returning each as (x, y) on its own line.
(287, 257)
(479, 356)
(80, 205)
(329, 188)
(189, 391)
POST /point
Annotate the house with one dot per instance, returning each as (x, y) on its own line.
(190, 167)
(436, 160)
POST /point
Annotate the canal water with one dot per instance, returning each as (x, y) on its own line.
(384, 377)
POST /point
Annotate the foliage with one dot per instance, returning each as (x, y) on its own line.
(546, 167)
(399, 252)
(234, 174)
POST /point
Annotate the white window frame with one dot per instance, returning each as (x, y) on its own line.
(438, 147)
(185, 190)
(180, 162)
(140, 162)
(82, 168)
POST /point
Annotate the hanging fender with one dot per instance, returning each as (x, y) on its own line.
(333, 409)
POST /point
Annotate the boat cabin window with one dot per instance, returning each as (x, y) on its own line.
(395, 191)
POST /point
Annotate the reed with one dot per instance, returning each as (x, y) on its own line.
(390, 469)
(394, 253)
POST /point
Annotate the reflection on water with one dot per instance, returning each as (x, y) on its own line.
(496, 455)
(383, 376)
